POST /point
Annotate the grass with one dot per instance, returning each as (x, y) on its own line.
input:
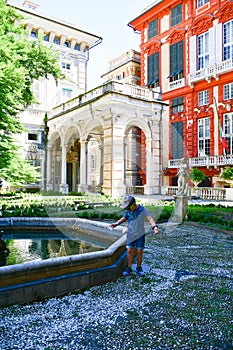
(29, 205)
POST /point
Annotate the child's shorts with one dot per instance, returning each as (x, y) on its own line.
(138, 243)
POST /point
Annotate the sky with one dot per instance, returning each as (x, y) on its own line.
(105, 18)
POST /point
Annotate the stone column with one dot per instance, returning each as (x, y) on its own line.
(101, 164)
(63, 187)
(114, 182)
(49, 185)
(148, 188)
(83, 187)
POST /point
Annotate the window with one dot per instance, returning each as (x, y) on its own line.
(77, 47)
(228, 40)
(153, 28)
(204, 137)
(176, 15)
(203, 98)
(46, 37)
(66, 93)
(32, 137)
(119, 77)
(201, 2)
(34, 34)
(177, 140)
(67, 43)
(92, 162)
(153, 70)
(203, 50)
(228, 130)
(177, 105)
(56, 40)
(176, 61)
(66, 65)
(228, 91)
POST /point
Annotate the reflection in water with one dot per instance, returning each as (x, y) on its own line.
(4, 251)
(24, 250)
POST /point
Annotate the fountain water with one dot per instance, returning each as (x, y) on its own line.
(37, 280)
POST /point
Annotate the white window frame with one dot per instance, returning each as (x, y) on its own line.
(203, 50)
(228, 130)
(204, 136)
(228, 91)
(201, 2)
(66, 65)
(228, 40)
(203, 98)
(66, 93)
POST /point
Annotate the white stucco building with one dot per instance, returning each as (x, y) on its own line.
(73, 46)
(107, 139)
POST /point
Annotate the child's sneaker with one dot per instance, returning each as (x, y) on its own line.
(139, 271)
(127, 271)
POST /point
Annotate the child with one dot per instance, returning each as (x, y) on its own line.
(135, 215)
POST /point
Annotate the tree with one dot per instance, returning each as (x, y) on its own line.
(196, 176)
(227, 174)
(21, 62)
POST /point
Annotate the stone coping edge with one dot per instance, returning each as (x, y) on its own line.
(37, 280)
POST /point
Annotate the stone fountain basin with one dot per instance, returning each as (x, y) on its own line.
(37, 280)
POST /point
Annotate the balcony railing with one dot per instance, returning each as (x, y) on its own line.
(111, 86)
(177, 84)
(200, 192)
(212, 71)
(207, 161)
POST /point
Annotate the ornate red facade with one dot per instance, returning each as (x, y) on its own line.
(204, 84)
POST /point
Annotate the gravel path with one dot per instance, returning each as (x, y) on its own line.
(185, 302)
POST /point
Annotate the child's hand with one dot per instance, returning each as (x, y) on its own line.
(156, 230)
(113, 225)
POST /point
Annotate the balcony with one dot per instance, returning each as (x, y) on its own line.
(211, 72)
(207, 161)
(177, 84)
(204, 193)
(111, 86)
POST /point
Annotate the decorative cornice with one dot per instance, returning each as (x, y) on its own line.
(225, 13)
(152, 46)
(176, 35)
(203, 111)
(164, 12)
(202, 24)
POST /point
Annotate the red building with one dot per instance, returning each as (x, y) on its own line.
(187, 52)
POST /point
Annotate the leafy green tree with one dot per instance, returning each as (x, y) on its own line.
(227, 174)
(21, 62)
(196, 176)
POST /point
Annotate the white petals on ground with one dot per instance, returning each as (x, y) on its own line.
(183, 303)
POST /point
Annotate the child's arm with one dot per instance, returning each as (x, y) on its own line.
(153, 224)
(120, 221)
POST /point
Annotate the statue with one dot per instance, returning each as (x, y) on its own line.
(182, 178)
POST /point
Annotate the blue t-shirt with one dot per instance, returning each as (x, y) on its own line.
(136, 220)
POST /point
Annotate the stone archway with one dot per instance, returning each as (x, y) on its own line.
(73, 164)
(135, 157)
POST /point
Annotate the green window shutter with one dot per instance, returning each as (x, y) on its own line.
(153, 69)
(176, 15)
(177, 140)
(176, 58)
(153, 28)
